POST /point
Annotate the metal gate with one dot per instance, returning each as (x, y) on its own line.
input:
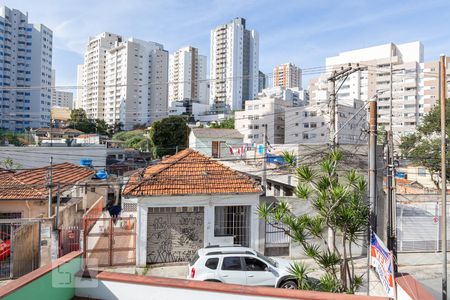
(233, 221)
(110, 241)
(69, 240)
(19, 248)
(277, 242)
(174, 234)
(418, 227)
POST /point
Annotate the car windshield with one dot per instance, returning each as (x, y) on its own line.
(267, 259)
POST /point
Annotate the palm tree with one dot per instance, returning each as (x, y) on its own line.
(340, 207)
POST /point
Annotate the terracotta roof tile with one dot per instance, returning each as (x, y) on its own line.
(189, 173)
(32, 184)
(5, 171)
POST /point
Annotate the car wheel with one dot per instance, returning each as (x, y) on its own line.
(213, 280)
(289, 284)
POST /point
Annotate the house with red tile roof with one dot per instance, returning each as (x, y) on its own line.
(189, 201)
(25, 194)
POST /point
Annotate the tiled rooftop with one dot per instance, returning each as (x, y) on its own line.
(32, 184)
(58, 130)
(5, 172)
(189, 173)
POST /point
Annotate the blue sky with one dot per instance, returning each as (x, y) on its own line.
(303, 32)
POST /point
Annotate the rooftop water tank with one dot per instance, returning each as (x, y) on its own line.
(102, 174)
(85, 162)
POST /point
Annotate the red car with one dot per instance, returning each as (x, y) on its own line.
(5, 246)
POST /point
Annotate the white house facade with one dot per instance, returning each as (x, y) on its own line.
(190, 201)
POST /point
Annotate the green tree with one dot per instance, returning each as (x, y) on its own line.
(423, 148)
(227, 123)
(289, 159)
(79, 120)
(101, 127)
(340, 205)
(115, 128)
(167, 134)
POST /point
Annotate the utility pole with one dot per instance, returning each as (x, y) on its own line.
(443, 98)
(336, 76)
(373, 123)
(50, 187)
(392, 204)
(264, 174)
(58, 199)
(332, 104)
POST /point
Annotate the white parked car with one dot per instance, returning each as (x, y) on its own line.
(240, 265)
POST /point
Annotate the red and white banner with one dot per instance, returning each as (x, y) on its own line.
(382, 261)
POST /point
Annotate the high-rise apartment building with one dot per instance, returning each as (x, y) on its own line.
(263, 81)
(234, 65)
(79, 92)
(136, 83)
(25, 60)
(60, 98)
(429, 83)
(389, 69)
(187, 76)
(93, 77)
(287, 75)
(133, 88)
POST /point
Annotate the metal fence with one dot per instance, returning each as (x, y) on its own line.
(19, 248)
(418, 226)
(69, 240)
(109, 241)
(277, 242)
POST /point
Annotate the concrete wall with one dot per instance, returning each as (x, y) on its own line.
(204, 145)
(54, 281)
(29, 209)
(209, 202)
(35, 157)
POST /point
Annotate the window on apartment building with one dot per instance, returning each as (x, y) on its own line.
(305, 136)
(305, 113)
(305, 125)
(296, 124)
(313, 125)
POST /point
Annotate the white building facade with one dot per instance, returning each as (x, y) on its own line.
(287, 75)
(132, 87)
(60, 98)
(136, 83)
(187, 76)
(26, 60)
(265, 111)
(212, 204)
(310, 124)
(403, 61)
(234, 65)
(92, 98)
